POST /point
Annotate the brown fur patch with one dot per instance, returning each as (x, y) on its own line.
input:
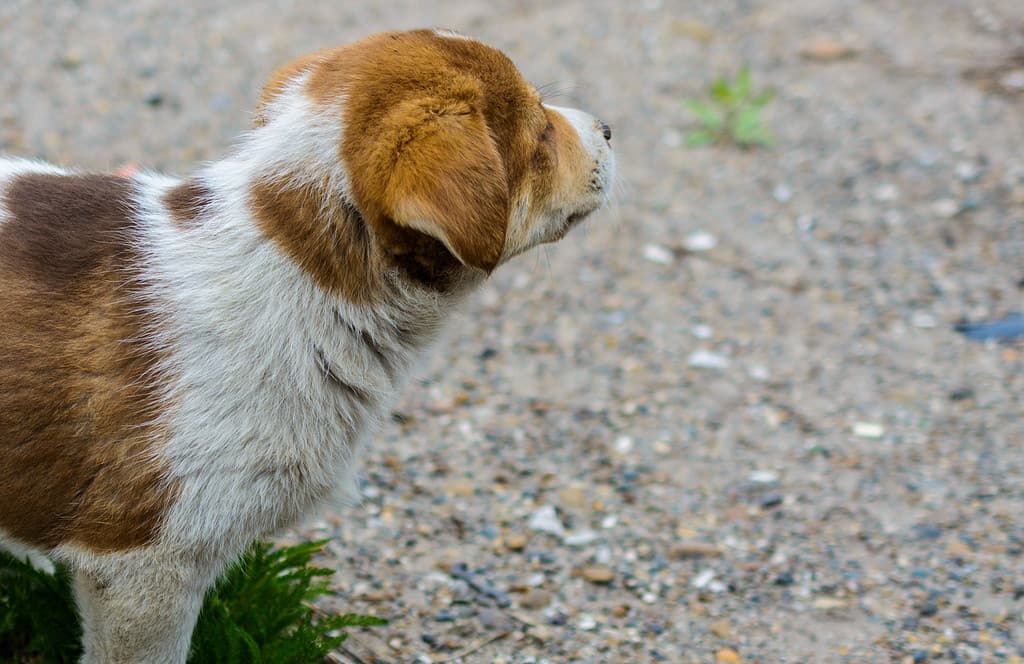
(77, 441)
(187, 202)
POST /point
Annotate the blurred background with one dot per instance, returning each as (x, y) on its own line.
(738, 416)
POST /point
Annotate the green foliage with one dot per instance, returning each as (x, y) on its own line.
(258, 612)
(38, 619)
(732, 113)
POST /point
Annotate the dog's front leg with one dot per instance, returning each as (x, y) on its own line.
(138, 607)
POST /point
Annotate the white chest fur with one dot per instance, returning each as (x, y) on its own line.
(274, 382)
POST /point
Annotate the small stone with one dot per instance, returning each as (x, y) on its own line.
(721, 628)
(535, 598)
(958, 549)
(871, 430)
(574, 497)
(927, 531)
(70, 59)
(759, 373)
(656, 253)
(541, 633)
(609, 521)
(703, 359)
(598, 574)
(492, 619)
(770, 500)
(947, 208)
(700, 241)
(693, 29)
(581, 538)
(154, 99)
(782, 193)
(968, 171)
(702, 331)
(623, 445)
(586, 623)
(460, 487)
(763, 477)
(546, 520)
(826, 49)
(693, 549)
(728, 655)
(703, 579)
(829, 603)
(1013, 80)
(961, 394)
(516, 541)
(923, 320)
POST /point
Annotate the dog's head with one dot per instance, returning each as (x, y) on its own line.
(442, 137)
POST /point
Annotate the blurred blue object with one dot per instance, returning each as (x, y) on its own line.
(1005, 329)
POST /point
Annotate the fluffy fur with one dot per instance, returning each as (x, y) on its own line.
(194, 364)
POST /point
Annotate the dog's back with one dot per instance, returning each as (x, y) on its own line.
(75, 408)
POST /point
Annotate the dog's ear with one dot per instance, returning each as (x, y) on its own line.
(440, 173)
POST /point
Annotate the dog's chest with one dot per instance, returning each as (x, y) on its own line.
(275, 385)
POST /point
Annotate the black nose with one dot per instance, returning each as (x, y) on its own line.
(606, 130)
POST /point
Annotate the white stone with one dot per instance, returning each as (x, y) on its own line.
(703, 359)
(700, 241)
(871, 430)
(546, 520)
(581, 538)
(656, 253)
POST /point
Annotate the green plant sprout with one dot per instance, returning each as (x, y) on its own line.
(259, 611)
(732, 114)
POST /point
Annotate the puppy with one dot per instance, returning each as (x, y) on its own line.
(188, 365)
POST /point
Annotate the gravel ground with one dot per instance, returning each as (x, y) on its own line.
(841, 479)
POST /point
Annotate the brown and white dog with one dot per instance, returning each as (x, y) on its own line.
(188, 365)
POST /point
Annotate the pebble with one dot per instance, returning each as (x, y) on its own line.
(460, 487)
(586, 622)
(702, 331)
(763, 477)
(535, 598)
(721, 628)
(947, 208)
(728, 655)
(574, 497)
(700, 241)
(693, 549)
(870, 430)
(546, 520)
(826, 49)
(656, 253)
(1013, 80)
(623, 445)
(693, 29)
(703, 359)
(598, 574)
(704, 579)
(923, 320)
(829, 603)
(581, 538)
(516, 541)
(782, 193)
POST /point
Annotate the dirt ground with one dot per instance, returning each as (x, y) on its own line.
(636, 446)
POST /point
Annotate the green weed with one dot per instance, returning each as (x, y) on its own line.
(733, 113)
(260, 611)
